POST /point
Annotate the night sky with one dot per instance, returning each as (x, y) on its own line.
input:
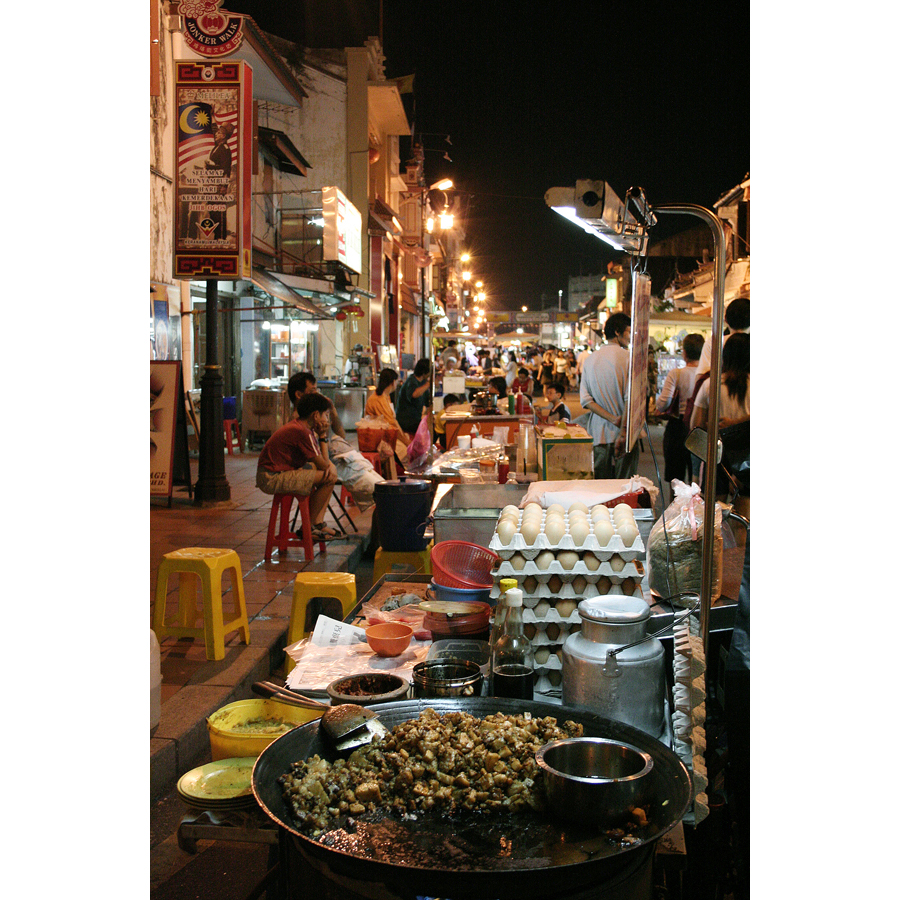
(631, 95)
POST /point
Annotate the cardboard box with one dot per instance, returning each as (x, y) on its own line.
(564, 454)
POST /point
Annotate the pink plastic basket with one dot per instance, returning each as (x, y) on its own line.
(460, 564)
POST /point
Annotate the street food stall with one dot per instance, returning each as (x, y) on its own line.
(447, 785)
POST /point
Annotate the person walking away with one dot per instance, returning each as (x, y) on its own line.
(604, 394)
(295, 460)
(414, 397)
(554, 393)
(672, 400)
(511, 369)
(561, 369)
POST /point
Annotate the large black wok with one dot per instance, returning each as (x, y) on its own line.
(520, 856)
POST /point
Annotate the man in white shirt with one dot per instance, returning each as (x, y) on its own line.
(604, 393)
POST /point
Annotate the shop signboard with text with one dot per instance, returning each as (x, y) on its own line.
(213, 147)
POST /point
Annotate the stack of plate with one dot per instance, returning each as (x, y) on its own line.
(223, 785)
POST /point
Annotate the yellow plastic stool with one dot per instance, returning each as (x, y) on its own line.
(385, 560)
(208, 564)
(339, 585)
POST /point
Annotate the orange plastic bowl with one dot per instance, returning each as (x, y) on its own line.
(389, 638)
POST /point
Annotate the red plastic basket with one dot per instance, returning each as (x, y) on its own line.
(460, 564)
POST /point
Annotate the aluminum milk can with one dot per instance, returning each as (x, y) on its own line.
(612, 667)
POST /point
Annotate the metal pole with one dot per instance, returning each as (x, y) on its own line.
(715, 369)
(212, 485)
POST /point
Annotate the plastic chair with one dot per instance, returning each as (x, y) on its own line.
(339, 585)
(385, 560)
(232, 434)
(280, 534)
(209, 565)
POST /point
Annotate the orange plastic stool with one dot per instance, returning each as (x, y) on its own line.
(232, 434)
(283, 537)
(375, 459)
(208, 564)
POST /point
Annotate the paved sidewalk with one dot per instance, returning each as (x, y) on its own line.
(192, 686)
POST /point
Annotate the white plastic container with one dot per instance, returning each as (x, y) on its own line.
(155, 681)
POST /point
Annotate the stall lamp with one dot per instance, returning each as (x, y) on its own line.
(594, 207)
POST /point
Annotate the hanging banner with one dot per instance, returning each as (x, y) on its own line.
(637, 361)
(213, 146)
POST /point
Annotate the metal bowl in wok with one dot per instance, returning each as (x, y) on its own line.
(522, 856)
(595, 780)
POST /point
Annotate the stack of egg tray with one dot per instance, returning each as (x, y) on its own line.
(615, 569)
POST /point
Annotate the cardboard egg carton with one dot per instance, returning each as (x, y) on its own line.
(630, 569)
(604, 586)
(546, 680)
(517, 544)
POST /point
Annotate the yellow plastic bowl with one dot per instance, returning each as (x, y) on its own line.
(225, 742)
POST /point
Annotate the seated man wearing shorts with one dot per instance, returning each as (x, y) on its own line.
(294, 461)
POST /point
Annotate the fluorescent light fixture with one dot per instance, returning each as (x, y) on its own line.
(594, 207)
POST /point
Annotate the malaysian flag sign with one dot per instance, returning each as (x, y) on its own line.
(213, 163)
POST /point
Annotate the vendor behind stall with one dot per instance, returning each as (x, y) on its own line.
(440, 420)
(413, 397)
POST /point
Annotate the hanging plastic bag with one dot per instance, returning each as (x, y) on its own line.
(418, 448)
(675, 546)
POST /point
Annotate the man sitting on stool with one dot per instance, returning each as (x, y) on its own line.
(294, 461)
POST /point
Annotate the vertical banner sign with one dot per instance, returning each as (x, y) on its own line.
(213, 156)
(637, 362)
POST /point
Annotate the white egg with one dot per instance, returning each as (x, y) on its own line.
(529, 532)
(600, 513)
(541, 655)
(505, 531)
(517, 561)
(616, 562)
(556, 508)
(509, 509)
(542, 609)
(534, 506)
(554, 530)
(544, 560)
(591, 562)
(577, 506)
(604, 532)
(579, 532)
(628, 532)
(622, 509)
(532, 516)
(568, 559)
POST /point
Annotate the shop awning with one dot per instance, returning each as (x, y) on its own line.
(382, 219)
(278, 148)
(280, 291)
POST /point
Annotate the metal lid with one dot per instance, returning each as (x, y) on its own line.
(614, 610)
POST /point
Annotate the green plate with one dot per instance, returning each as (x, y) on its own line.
(222, 780)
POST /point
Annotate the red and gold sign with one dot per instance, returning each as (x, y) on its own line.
(213, 145)
(208, 29)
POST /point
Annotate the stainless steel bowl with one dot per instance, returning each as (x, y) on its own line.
(594, 780)
(447, 678)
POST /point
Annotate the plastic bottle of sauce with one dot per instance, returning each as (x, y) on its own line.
(512, 656)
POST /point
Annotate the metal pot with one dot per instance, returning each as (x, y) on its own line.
(447, 678)
(613, 668)
(527, 856)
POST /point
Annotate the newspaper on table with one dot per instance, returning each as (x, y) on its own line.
(337, 649)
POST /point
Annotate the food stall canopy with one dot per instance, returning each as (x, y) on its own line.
(280, 291)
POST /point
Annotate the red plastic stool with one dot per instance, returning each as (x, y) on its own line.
(283, 537)
(374, 458)
(232, 434)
